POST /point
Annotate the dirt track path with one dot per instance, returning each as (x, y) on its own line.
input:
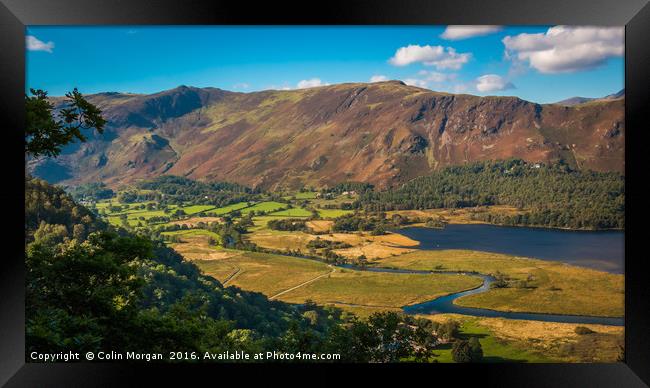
(304, 283)
(232, 276)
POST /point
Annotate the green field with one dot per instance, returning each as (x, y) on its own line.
(333, 213)
(133, 217)
(295, 212)
(227, 209)
(260, 222)
(194, 209)
(303, 195)
(268, 207)
(192, 233)
(306, 195)
(104, 204)
(494, 350)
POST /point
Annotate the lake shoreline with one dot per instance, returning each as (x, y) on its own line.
(567, 229)
(599, 250)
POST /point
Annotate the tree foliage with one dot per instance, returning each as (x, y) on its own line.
(548, 195)
(287, 224)
(178, 190)
(46, 131)
(467, 350)
(94, 191)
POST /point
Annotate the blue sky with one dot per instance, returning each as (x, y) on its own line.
(540, 64)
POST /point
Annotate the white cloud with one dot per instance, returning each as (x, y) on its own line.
(492, 83)
(427, 78)
(416, 82)
(378, 78)
(436, 77)
(33, 44)
(438, 56)
(464, 32)
(310, 83)
(241, 85)
(565, 49)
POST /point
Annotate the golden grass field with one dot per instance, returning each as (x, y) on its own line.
(362, 243)
(383, 290)
(273, 239)
(273, 274)
(196, 249)
(320, 225)
(195, 245)
(262, 272)
(552, 340)
(558, 288)
(373, 247)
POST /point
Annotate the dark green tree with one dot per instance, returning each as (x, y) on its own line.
(384, 337)
(46, 132)
(461, 351)
(467, 351)
(78, 295)
(476, 349)
(448, 330)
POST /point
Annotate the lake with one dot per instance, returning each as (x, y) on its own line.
(601, 250)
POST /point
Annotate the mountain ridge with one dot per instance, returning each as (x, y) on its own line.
(581, 100)
(383, 133)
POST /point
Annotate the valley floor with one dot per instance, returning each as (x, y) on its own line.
(528, 285)
(298, 280)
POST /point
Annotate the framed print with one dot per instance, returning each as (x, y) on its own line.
(423, 185)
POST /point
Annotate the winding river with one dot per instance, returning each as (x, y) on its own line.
(599, 250)
(445, 304)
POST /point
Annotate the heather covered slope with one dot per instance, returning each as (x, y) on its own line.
(384, 133)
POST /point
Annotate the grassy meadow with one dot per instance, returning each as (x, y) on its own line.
(272, 274)
(550, 287)
(265, 273)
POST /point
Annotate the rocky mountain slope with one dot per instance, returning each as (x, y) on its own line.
(384, 133)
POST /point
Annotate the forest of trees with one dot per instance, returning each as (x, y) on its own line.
(176, 190)
(553, 195)
(358, 187)
(91, 191)
(287, 224)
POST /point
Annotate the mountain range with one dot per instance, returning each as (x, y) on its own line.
(581, 100)
(384, 133)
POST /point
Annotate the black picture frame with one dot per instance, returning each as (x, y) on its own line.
(16, 14)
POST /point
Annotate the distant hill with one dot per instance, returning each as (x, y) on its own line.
(382, 133)
(581, 100)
